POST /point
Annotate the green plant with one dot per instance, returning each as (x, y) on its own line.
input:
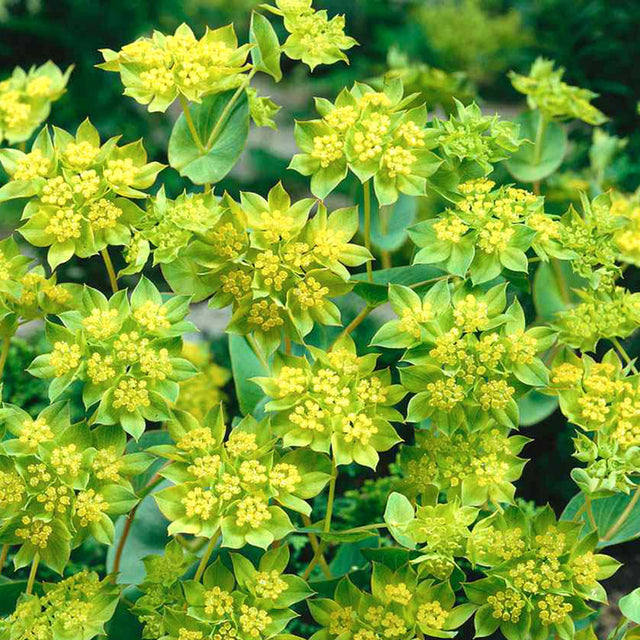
(491, 328)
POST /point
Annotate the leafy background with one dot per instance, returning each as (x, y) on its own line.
(593, 39)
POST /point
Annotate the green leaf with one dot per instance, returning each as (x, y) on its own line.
(535, 407)
(376, 293)
(526, 164)
(389, 224)
(630, 606)
(397, 515)
(246, 365)
(9, 593)
(553, 287)
(266, 54)
(214, 163)
(606, 512)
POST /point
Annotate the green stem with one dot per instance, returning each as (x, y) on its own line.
(625, 356)
(542, 127)
(3, 555)
(129, 522)
(367, 527)
(564, 291)
(356, 322)
(6, 345)
(318, 548)
(623, 516)
(191, 125)
(113, 279)
(332, 494)
(367, 225)
(207, 554)
(227, 110)
(32, 574)
(592, 519)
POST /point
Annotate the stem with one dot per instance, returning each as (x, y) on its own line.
(366, 527)
(207, 188)
(623, 516)
(287, 345)
(192, 127)
(592, 520)
(6, 344)
(367, 225)
(542, 127)
(332, 494)
(32, 573)
(227, 110)
(356, 322)
(3, 555)
(557, 270)
(113, 279)
(207, 554)
(127, 525)
(318, 549)
(622, 351)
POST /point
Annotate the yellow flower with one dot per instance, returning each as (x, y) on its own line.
(269, 584)
(152, 316)
(199, 503)
(507, 605)
(65, 357)
(89, 507)
(431, 614)
(252, 511)
(36, 532)
(101, 324)
(34, 432)
(253, 621)
(64, 225)
(131, 394)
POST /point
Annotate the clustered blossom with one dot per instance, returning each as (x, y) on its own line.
(265, 258)
(555, 99)
(475, 467)
(604, 401)
(238, 600)
(400, 605)
(314, 38)
(470, 358)
(487, 231)
(26, 98)
(372, 134)
(78, 606)
(157, 70)
(340, 403)
(126, 353)
(539, 573)
(79, 191)
(232, 482)
(61, 483)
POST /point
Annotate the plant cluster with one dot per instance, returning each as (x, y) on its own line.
(470, 358)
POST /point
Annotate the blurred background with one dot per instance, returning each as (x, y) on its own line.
(446, 48)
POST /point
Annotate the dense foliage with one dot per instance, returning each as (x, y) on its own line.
(221, 518)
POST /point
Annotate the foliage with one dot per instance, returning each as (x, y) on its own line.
(502, 308)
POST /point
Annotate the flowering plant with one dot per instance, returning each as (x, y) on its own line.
(503, 312)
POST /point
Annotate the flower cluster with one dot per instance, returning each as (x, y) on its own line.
(604, 401)
(126, 353)
(61, 483)
(374, 135)
(26, 293)
(400, 606)
(487, 231)
(157, 70)
(473, 142)
(76, 607)
(277, 268)
(476, 468)
(313, 37)
(340, 403)
(236, 600)
(26, 97)
(78, 191)
(471, 360)
(600, 315)
(232, 482)
(539, 574)
(556, 100)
